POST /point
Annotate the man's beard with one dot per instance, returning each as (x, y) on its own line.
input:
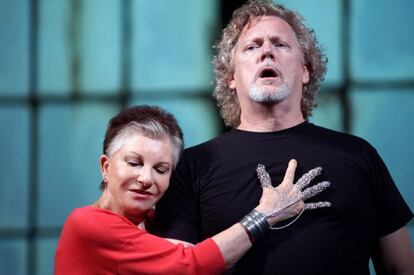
(276, 95)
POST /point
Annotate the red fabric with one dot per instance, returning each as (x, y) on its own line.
(96, 241)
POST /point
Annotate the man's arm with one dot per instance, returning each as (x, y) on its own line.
(394, 254)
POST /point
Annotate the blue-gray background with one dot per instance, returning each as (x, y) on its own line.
(67, 66)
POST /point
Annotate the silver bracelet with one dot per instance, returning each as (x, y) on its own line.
(256, 225)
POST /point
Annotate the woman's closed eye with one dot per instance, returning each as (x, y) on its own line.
(162, 169)
(134, 162)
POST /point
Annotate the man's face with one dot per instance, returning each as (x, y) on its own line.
(268, 63)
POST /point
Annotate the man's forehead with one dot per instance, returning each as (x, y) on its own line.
(280, 25)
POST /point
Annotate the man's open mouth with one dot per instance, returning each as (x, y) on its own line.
(268, 72)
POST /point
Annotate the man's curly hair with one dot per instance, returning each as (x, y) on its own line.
(312, 55)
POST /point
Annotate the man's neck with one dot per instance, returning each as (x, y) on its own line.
(269, 119)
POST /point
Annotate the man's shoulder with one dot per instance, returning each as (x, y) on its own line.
(210, 151)
(329, 140)
(212, 144)
(334, 136)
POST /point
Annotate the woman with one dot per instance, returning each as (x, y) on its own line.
(141, 148)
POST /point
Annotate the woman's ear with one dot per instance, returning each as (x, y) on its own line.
(104, 163)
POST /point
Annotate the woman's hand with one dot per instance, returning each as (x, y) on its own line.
(287, 200)
(276, 204)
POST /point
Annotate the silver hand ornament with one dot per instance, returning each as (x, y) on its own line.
(302, 194)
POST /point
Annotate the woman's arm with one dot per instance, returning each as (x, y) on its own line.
(175, 241)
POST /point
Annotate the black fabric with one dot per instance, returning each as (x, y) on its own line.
(215, 185)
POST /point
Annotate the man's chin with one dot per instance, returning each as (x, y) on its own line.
(275, 95)
(268, 100)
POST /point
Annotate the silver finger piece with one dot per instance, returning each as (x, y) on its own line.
(314, 190)
(308, 177)
(316, 205)
(263, 176)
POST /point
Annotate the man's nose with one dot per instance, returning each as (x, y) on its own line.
(267, 51)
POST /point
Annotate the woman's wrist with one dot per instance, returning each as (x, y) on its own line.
(265, 211)
(256, 225)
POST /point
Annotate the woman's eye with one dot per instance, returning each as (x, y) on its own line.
(162, 170)
(134, 162)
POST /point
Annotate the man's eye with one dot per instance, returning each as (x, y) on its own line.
(280, 45)
(250, 47)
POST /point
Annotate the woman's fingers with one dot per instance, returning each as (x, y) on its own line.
(290, 173)
(308, 177)
(314, 190)
(263, 176)
(316, 205)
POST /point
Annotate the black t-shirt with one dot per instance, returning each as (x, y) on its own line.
(215, 185)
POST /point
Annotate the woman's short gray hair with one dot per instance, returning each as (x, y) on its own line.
(150, 121)
(152, 129)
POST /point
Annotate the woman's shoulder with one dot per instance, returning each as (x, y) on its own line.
(94, 216)
(90, 221)
(81, 219)
(82, 214)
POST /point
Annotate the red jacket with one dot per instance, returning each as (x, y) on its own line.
(96, 241)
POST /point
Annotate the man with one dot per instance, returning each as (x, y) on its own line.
(268, 70)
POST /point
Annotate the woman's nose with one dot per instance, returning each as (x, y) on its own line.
(145, 178)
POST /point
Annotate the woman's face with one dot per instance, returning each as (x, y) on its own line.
(137, 175)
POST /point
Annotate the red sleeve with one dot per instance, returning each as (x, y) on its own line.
(98, 241)
(149, 253)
